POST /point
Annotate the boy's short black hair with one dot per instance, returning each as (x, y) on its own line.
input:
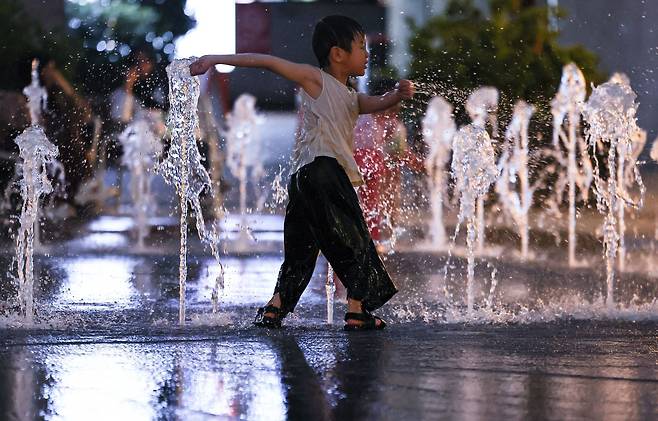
(334, 31)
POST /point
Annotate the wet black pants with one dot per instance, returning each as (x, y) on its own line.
(323, 214)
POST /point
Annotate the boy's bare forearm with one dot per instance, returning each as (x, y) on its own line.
(243, 60)
(374, 104)
(305, 75)
(202, 64)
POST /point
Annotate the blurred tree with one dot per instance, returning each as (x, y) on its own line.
(513, 49)
(83, 58)
(96, 49)
(115, 33)
(22, 38)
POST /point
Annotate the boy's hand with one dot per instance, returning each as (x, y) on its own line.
(200, 66)
(405, 89)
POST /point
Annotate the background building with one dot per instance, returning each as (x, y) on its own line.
(285, 29)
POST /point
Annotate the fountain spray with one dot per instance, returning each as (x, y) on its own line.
(438, 130)
(243, 155)
(36, 95)
(626, 167)
(36, 153)
(182, 167)
(610, 112)
(473, 170)
(627, 179)
(140, 150)
(566, 109)
(37, 99)
(482, 106)
(514, 172)
(38, 165)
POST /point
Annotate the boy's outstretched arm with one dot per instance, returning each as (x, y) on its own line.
(305, 75)
(373, 104)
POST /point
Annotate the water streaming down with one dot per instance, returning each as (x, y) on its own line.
(438, 130)
(513, 186)
(566, 110)
(473, 171)
(36, 152)
(37, 98)
(627, 156)
(482, 107)
(33, 175)
(182, 167)
(279, 191)
(626, 177)
(243, 154)
(610, 112)
(141, 149)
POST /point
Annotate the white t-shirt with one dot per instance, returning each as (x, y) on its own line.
(327, 127)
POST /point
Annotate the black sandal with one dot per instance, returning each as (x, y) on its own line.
(369, 322)
(262, 320)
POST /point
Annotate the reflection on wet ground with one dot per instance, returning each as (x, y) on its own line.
(567, 371)
(107, 344)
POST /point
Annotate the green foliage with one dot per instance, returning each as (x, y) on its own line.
(111, 31)
(148, 26)
(21, 40)
(512, 49)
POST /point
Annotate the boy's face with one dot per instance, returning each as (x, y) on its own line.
(357, 60)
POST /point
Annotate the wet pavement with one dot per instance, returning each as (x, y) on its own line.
(564, 371)
(107, 344)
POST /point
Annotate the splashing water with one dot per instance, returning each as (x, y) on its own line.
(279, 191)
(610, 112)
(428, 88)
(570, 98)
(473, 170)
(628, 177)
(36, 153)
(37, 98)
(140, 150)
(182, 167)
(482, 106)
(438, 130)
(514, 168)
(567, 105)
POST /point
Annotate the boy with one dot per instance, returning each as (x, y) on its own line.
(323, 212)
